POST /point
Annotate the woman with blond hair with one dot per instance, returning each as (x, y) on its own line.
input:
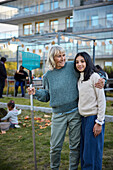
(60, 88)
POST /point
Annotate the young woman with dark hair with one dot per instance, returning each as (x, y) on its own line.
(92, 109)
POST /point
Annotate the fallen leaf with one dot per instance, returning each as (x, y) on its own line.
(47, 121)
(29, 125)
(20, 137)
(40, 134)
(47, 116)
(43, 127)
(24, 125)
(27, 117)
(46, 124)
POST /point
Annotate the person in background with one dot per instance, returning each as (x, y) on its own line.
(101, 72)
(60, 88)
(20, 77)
(3, 75)
(12, 114)
(91, 106)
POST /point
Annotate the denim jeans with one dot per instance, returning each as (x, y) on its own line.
(19, 83)
(91, 148)
(60, 122)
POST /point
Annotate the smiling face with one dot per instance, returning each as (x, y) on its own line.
(80, 64)
(60, 60)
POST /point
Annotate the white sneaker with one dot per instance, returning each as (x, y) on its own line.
(17, 126)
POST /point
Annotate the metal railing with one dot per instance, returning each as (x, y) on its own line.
(34, 9)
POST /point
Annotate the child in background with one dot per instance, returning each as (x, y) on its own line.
(92, 108)
(12, 114)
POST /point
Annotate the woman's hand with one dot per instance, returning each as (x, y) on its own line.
(100, 84)
(97, 129)
(31, 90)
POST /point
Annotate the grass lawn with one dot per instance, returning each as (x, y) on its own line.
(16, 151)
(24, 101)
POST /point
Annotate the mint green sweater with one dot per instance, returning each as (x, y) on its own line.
(60, 87)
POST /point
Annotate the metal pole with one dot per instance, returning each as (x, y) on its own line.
(58, 38)
(17, 58)
(44, 60)
(77, 47)
(93, 52)
(32, 119)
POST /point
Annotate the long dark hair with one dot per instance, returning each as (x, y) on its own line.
(90, 68)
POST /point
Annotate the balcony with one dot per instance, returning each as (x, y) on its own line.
(42, 11)
(89, 2)
(88, 26)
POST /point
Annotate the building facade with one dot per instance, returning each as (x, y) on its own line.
(92, 19)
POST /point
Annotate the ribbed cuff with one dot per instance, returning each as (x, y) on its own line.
(100, 123)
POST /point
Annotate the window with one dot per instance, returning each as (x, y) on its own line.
(69, 3)
(94, 21)
(39, 27)
(69, 22)
(54, 4)
(41, 7)
(54, 25)
(37, 10)
(109, 20)
(27, 29)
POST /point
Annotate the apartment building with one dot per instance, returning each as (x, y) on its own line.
(40, 22)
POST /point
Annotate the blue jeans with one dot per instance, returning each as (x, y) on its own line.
(12, 125)
(60, 122)
(19, 83)
(91, 148)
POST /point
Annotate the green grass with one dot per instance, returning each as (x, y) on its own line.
(23, 101)
(16, 151)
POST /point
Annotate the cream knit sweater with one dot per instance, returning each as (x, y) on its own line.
(91, 99)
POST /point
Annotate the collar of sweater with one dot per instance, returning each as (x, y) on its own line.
(82, 76)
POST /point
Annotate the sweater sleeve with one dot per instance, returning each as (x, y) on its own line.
(7, 116)
(19, 112)
(43, 94)
(100, 96)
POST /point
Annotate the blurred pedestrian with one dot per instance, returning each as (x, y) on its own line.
(3, 75)
(20, 77)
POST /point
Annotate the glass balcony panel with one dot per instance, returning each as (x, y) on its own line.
(55, 4)
(94, 20)
(109, 20)
(41, 7)
(23, 9)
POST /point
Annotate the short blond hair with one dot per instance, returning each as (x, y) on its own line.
(55, 50)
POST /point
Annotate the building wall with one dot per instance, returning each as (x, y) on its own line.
(83, 11)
